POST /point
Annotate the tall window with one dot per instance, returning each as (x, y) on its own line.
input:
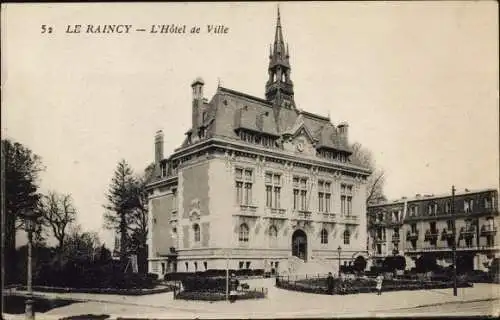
(324, 236)
(243, 234)
(413, 228)
(196, 232)
(273, 190)
(299, 193)
(487, 204)
(413, 211)
(432, 208)
(468, 205)
(345, 199)
(273, 236)
(324, 196)
(449, 225)
(244, 182)
(347, 237)
(447, 207)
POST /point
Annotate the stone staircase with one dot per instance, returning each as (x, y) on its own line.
(314, 267)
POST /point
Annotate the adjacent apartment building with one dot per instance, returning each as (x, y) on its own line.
(256, 183)
(424, 225)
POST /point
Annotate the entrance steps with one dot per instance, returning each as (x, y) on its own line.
(299, 267)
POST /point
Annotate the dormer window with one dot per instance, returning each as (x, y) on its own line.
(163, 167)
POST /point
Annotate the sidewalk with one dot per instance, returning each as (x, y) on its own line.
(280, 303)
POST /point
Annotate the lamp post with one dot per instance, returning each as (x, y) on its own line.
(454, 248)
(227, 274)
(30, 225)
(339, 250)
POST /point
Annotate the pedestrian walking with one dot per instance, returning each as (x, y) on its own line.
(329, 283)
(233, 286)
(379, 280)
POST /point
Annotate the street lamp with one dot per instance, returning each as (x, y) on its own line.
(339, 250)
(30, 218)
(454, 248)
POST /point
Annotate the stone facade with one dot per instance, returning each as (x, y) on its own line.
(256, 182)
(424, 225)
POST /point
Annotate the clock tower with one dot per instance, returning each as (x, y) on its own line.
(279, 86)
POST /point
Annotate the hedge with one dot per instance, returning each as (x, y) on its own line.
(219, 296)
(127, 292)
(92, 275)
(363, 285)
(179, 276)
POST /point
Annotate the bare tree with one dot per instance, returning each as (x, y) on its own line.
(58, 214)
(82, 244)
(375, 188)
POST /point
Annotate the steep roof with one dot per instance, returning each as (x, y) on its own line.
(230, 110)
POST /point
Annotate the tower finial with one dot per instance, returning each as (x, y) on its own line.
(279, 17)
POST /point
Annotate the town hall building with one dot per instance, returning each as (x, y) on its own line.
(257, 183)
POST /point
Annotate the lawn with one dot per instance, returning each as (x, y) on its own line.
(14, 304)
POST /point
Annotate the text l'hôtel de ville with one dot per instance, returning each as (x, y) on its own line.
(155, 28)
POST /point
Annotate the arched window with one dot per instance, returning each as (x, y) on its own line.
(324, 236)
(273, 235)
(243, 234)
(196, 232)
(347, 237)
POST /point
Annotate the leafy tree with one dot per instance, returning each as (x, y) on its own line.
(20, 194)
(426, 263)
(359, 263)
(375, 186)
(58, 214)
(399, 262)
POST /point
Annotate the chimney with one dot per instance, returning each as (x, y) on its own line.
(417, 195)
(158, 147)
(343, 131)
(197, 86)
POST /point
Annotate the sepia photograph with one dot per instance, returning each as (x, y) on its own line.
(250, 160)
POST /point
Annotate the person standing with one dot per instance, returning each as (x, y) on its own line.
(379, 280)
(233, 286)
(329, 283)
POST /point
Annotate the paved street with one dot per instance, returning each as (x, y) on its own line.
(452, 309)
(289, 304)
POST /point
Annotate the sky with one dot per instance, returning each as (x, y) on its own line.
(416, 81)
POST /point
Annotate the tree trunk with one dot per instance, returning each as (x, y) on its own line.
(123, 238)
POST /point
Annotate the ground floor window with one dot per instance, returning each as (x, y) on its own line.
(241, 264)
(248, 264)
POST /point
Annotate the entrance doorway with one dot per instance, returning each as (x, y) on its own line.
(299, 244)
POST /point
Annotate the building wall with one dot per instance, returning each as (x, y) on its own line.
(478, 216)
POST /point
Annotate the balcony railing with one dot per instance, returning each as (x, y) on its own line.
(276, 213)
(395, 238)
(350, 219)
(431, 235)
(328, 217)
(247, 210)
(449, 248)
(488, 230)
(380, 240)
(412, 235)
(303, 215)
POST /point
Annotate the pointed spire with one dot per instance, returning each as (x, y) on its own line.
(278, 37)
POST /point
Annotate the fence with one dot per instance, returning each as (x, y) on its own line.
(318, 284)
(218, 293)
